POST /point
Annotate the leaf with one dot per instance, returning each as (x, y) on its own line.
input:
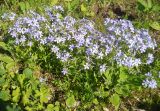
(144, 3)
(74, 4)
(115, 100)
(13, 107)
(27, 72)
(92, 14)
(149, 2)
(5, 95)
(57, 103)
(16, 95)
(10, 66)
(21, 78)
(155, 25)
(26, 96)
(95, 101)
(44, 94)
(3, 45)
(101, 93)
(83, 8)
(27, 6)
(54, 2)
(70, 102)
(22, 6)
(56, 108)
(122, 77)
(156, 8)
(6, 58)
(108, 77)
(118, 90)
(2, 71)
(50, 107)
(2, 81)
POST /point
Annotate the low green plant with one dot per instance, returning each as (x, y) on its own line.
(22, 90)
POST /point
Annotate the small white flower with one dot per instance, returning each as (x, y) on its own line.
(103, 68)
(42, 79)
(86, 66)
(64, 71)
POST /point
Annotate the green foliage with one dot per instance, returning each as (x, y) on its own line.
(155, 25)
(6, 58)
(23, 88)
(70, 102)
(115, 100)
(4, 95)
(145, 5)
(28, 72)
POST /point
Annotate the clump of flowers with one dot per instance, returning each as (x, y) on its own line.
(149, 81)
(8, 16)
(73, 41)
(129, 42)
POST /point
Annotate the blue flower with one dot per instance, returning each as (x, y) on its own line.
(150, 83)
(148, 74)
(150, 58)
(65, 71)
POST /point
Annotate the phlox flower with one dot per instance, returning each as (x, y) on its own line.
(87, 66)
(150, 83)
(150, 58)
(65, 71)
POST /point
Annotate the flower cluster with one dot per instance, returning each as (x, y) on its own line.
(149, 82)
(129, 42)
(69, 39)
(8, 16)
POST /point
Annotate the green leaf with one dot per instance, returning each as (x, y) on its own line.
(122, 77)
(50, 107)
(144, 3)
(70, 102)
(3, 45)
(118, 90)
(155, 25)
(123, 90)
(149, 2)
(95, 101)
(57, 103)
(101, 93)
(2, 71)
(83, 8)
(56, 108)
(54, 2)
(22, 6)
(21, 78)
(6, 58)
(115, 100)
(108, 77)
(74, 4)
(5, 95)
(44, 94)
(26, 96)
(10, 66)
(16, 95)
(27, 72)
(156, 8)
(2, 81)
(27, 6)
